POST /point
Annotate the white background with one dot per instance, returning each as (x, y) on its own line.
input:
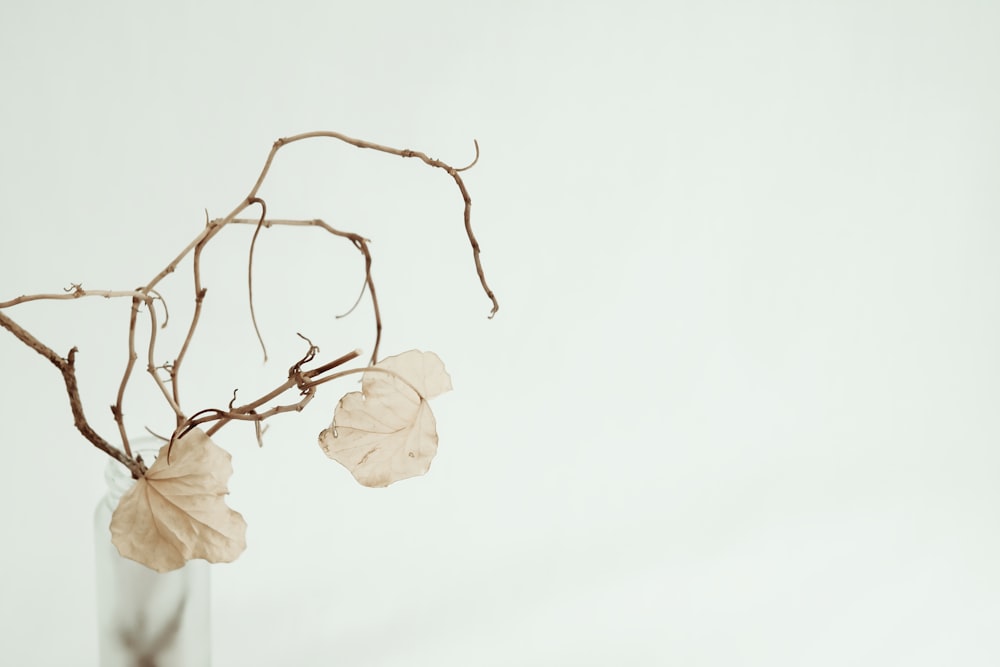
(739, 405)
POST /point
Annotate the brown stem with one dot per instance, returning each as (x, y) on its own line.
(339, 361)
(67, 368)
(199, 299)
(175, 368)
(116, 409)
(351, 371)
(363, 246)
(151, 366)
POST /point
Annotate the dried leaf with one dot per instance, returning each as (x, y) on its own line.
(387, 432)
(177, 512)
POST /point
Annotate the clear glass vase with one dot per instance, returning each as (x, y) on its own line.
(145, 618)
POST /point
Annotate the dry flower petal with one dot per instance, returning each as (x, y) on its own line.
(387, 432)
(177, 512)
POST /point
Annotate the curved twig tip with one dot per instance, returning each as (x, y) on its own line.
(474, 160)
(357, 302)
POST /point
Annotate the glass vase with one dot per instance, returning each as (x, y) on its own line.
(145, 618)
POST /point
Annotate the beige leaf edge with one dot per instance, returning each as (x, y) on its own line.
(387, 432)
(177, 512)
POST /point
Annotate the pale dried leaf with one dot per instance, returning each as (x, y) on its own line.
(387, 432)
(177, 512)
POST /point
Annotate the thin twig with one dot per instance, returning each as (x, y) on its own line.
(166, 311)
(199, 300)
(253, 243)
(116, 409)
(306, 384)
(357, 302)
(151, 365)
(76, 292)
(296, 378)
(249, 411)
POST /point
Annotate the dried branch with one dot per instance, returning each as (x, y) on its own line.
(297, 378)
(166, 311)
(116, 409)
(75, 292)
(305, 381)
(67, 367)
(161, 521)
(199, 299)
(151, 365)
